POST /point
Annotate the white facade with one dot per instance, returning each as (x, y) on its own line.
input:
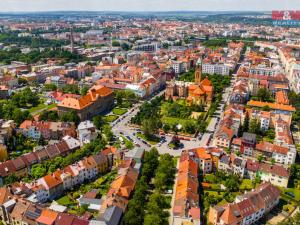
(220, 69)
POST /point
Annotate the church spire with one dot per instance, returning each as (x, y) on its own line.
(198, 72)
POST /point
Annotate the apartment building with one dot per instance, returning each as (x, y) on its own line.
(246, 209)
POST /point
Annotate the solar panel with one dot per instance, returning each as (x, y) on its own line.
(32, 215)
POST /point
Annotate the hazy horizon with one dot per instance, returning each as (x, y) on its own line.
(145, 5)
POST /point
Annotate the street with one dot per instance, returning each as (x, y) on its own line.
(121, 127)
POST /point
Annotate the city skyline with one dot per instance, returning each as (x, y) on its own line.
(144, 5)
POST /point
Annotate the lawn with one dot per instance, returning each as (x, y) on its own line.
(111, 118)
(119, 111)
(210, 178)
(174, 121)
(65, 201)
(128, 143)
(41, 107)
(246, 184)
(151, 142)
(293, 192)
(214, 193)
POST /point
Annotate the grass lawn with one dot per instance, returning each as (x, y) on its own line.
(214, 193)
(293, 192)
(41, 107)
(223, 202)
(151, 142)
(246, 184)
(128, 143)
(119, 111)
(111, 118)
(65, 201)
(174, 121)
(210, 178)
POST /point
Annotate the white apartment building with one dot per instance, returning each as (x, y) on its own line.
(220, 69)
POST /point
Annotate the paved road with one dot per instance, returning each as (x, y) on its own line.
(121, 127)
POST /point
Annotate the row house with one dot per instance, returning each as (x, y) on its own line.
(248, 168)
(121, 189)
(186, 204)
(203, 158)
(54, 185)
(276, 174)
(248, 208)
(17, 210)
(22, 164)
(232, 164)
(47, 130)
(281, 154)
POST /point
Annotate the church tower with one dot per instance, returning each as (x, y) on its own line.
(198, 72)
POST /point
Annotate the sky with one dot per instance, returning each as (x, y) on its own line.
(147, 5)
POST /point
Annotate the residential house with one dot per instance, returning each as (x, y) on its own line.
(246, 209)
(186, 203)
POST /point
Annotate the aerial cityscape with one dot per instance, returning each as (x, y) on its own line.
(149, 112)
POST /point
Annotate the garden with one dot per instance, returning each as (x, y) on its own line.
(101, 184)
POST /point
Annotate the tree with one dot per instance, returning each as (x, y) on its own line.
(264, 95)
(232, 183)
(115, 43)
(125, 46)
(150, 127)
(246, 123)
(260, 158)
(50, 115)
(12, 178)
(84, 90)
(166, 128)
(50, 87)
(156, 215)
(254, 126)
(119, 98)
(150, 164)
(38, 170)
(108, 132)
(70, 88)
(227, 150)
(70, 116)
(272, 161)
(99, 122)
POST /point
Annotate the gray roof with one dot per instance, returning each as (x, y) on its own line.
(225, 159)
(89, 201)
(249, 137)
(136, 153)
(112, 215)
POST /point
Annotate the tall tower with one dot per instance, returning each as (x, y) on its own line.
(72, 40)
(198, 72)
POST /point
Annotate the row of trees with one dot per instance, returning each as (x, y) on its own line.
(156, 209)
(11, 109)
(34, 56)
(53, 116)
(145, 209)
(33, 42)
(136, 206)
(263, 95)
